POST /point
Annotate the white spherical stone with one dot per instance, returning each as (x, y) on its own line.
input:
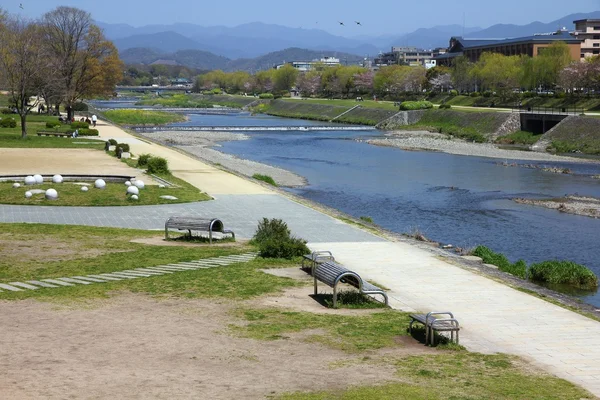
(133, 190)
(29, 180)
(28, 195)
(57, 179)
(38, 178)
(127, 183)
(134, 197)
(51, 194)
(162, 186)
(139, 184)
(99, 184)
(84, 189)
(16, 185)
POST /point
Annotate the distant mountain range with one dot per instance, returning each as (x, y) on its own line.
(256, 45)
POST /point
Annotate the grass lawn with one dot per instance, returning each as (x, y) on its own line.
(11, 137)
(113, 195)
(387, 105)
(37, 251)
(142, 117)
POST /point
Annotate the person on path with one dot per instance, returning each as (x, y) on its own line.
(94, 120)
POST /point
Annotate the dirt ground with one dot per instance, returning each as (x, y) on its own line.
(137, 347)
(61, 161)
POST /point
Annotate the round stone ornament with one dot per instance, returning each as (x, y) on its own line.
(28, 195)
(29, 180)
(57, 179)
(38, 178)
(135, 197)
(16, 185)
(99, 184)
(51, 194)
(84, 189)
(139, 184)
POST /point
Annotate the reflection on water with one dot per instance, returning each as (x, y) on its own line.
(465, 201)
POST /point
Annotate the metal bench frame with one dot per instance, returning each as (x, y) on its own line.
(196, 224)
(51, 133)
(332, 273)
(316, 257)
(434, 324)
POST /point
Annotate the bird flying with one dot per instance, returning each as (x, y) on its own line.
(341, 23)
(358, 23)
(21, 5)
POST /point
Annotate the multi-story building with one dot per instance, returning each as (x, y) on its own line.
(588, 31)
(407, 56)
(529, 45)
(304, 66)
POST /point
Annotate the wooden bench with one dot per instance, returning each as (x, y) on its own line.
(53, 133)
(432, 324)
(315, 257)
(197, 224)
(332, 273)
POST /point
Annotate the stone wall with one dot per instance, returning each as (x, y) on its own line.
(402, 118)
(511, 125)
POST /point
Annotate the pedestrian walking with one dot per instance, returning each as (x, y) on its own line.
(94, 120)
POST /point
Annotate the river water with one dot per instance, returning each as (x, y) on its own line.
(464, 201)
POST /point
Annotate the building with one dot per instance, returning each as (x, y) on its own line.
(588, 31)
(529, 45)
(411, 56)
(304, 66)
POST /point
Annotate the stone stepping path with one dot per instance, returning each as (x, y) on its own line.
(127, 274)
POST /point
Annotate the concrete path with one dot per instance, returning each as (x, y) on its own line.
(494, 317)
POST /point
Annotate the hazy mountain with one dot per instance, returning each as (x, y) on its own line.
(429, 38)
(501, 31)
(292, 54)
(163, 41)
(139, 55)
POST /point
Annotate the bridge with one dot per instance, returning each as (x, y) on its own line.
(542, 119)
(152, 88)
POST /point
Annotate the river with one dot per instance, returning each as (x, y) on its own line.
(459, 200)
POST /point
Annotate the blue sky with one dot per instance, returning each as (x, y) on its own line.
(377, 16)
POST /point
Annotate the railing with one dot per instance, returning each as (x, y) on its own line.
(549, 110)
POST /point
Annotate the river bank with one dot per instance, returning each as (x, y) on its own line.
(428, 141)
(202, 145)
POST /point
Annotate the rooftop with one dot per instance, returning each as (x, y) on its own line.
(539, 38)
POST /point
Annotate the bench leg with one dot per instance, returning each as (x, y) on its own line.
(315, 279)
(426, 335)
(209, 236)
(334, 296)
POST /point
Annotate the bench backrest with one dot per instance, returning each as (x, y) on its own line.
(331, 272)
(194, 223)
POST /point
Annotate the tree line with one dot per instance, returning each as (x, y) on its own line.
(60, 58)
(503, 75)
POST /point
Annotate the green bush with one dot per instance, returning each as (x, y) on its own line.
(265, 178)
(270, 229)
(113, 142)
(80, 125)
(158, 165)
(445, 106)
(53, 124)
(88, 132)
(216, 91)
(453, 92)
(278, 248)
(487, 93)
(6, 111)
(475, 94)
(80, 106)
(564, 272)
(143, 160)
(499, 260)
(7, 122)
(266, 96)
(415, 105)
(124, 147)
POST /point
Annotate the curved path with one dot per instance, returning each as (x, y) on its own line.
(495, 318)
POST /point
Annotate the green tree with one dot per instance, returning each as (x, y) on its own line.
(549, 63)
(462, 78)
(499, 73)
(285, 78)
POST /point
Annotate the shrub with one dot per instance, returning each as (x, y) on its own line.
(124, 147)
(265, 178)
(445, 106)
(475, 94)
(270, 229)
(88, 132)
(280, 248)
(487, 93)
(415, 105)
(8, 123)
(143, 160)
(6, 111)
(80, 125)
(453, 92)
(112, 142)
(80, 106)
(490, 257)
(53, 124)
(216, 91)
(266, 96)
(158, 165)
(564, 272)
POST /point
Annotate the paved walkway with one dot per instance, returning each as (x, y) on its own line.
(495, 318)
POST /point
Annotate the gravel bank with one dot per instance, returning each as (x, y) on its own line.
(420, 140)
(586, 206)
(199, 143)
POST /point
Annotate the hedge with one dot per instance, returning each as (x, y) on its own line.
(415, 105)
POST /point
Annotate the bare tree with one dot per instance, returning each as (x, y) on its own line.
(21, 55)
(83, 61)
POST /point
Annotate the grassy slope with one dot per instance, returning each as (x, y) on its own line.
(197, 101)
(142, 117)
(480, 101)
(580, 133)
